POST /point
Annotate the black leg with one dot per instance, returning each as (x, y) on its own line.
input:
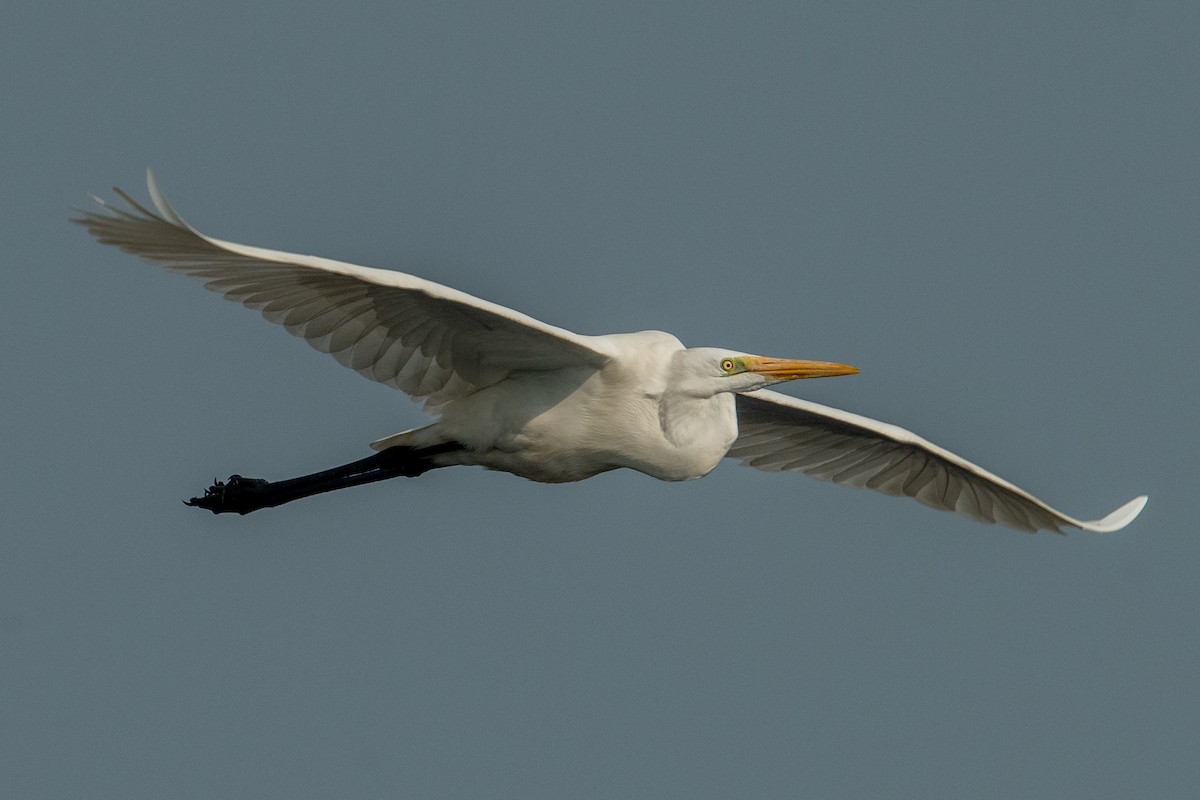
(243, 495)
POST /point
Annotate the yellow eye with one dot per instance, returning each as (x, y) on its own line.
(727, 365)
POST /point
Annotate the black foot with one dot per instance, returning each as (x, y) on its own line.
(238, 494)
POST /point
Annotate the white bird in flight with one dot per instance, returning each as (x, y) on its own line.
(514, 394)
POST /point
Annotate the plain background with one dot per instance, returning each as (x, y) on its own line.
(992, 209)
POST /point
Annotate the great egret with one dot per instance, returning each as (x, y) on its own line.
(517, 395)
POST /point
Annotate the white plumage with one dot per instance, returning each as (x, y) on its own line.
(515, 394)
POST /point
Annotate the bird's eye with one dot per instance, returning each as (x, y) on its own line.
(727, 365)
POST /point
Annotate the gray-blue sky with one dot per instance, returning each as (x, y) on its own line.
(992, 211)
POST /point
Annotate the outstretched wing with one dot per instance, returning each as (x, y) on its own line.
(781, 433)
(423, 338)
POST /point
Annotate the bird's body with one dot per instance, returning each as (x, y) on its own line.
(571, 424)
(513, 394)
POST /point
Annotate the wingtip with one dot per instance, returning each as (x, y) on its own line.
(152, 182)
(1119, 518)
(160, 200)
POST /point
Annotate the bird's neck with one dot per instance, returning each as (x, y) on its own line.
(699, 423)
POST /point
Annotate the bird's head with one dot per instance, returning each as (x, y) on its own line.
(711, 370)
